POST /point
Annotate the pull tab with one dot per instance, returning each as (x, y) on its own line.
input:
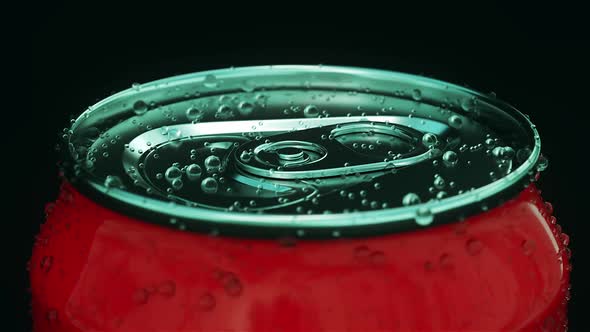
(334, 150)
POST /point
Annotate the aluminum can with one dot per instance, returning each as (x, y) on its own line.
(300, 198)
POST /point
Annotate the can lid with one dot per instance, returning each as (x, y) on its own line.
(301, 150)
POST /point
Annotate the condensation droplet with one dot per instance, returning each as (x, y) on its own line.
(248, 85)
(424, 216)
(311, 111)
(528, 247)
(523, 154)
(212, 163)
(445, 260)
(473, 246)
(245, 108)
(455, 121)
(439, 182)
(193, 113)
(361, 252)
(206, 302)
(377, 257)
(542, 163)
(52, 316)
(416, 94)
(224, 112)
(287, 241)
(172, 173)
(177, 184)
(141, 296)
(411, 199)
(565, 239)
(209, 185)
(113, 181)
(211, 81)
(193, 172)
(450, 158)
(232, 285)
(503, 152)
(468, 104)
(46, 263)
(429, 140)
(140, 107)
(490, 143)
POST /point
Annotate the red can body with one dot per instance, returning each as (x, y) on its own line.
(94, 269)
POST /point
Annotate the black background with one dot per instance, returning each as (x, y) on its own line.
(534, 57)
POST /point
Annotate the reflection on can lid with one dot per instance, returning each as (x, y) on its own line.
(301, 149)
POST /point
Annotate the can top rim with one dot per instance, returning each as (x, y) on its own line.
(334, 222)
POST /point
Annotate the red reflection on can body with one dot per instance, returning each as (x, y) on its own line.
(94, 269)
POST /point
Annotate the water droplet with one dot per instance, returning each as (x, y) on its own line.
(211, 81)
(46, 263)
(113, 181)
(246, 108)
(455, 121)
(167, 288)
(213, 164)
(311, 111)
(450, 158)
(377, 258)
(224, 112)
(439, 182)
(528, 247)
(173, 173)
(473, 246)
(287, 241)
(445, 260)
(503, 152)
(52, 316)
(206, 302)
(468, 104)
(140, 107)
(231, 284)
(177, 184)
(193, 113)
(424, 216)
(565, 239)
(248, 85)
(490, 143)
(542, 163)
(141, 296)
(209, 185)
(361, 252)
(416, 94)
(548, 208)
(523, 154)
(174, 133)
(429, 140)
(193, 172)
(411, 199)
